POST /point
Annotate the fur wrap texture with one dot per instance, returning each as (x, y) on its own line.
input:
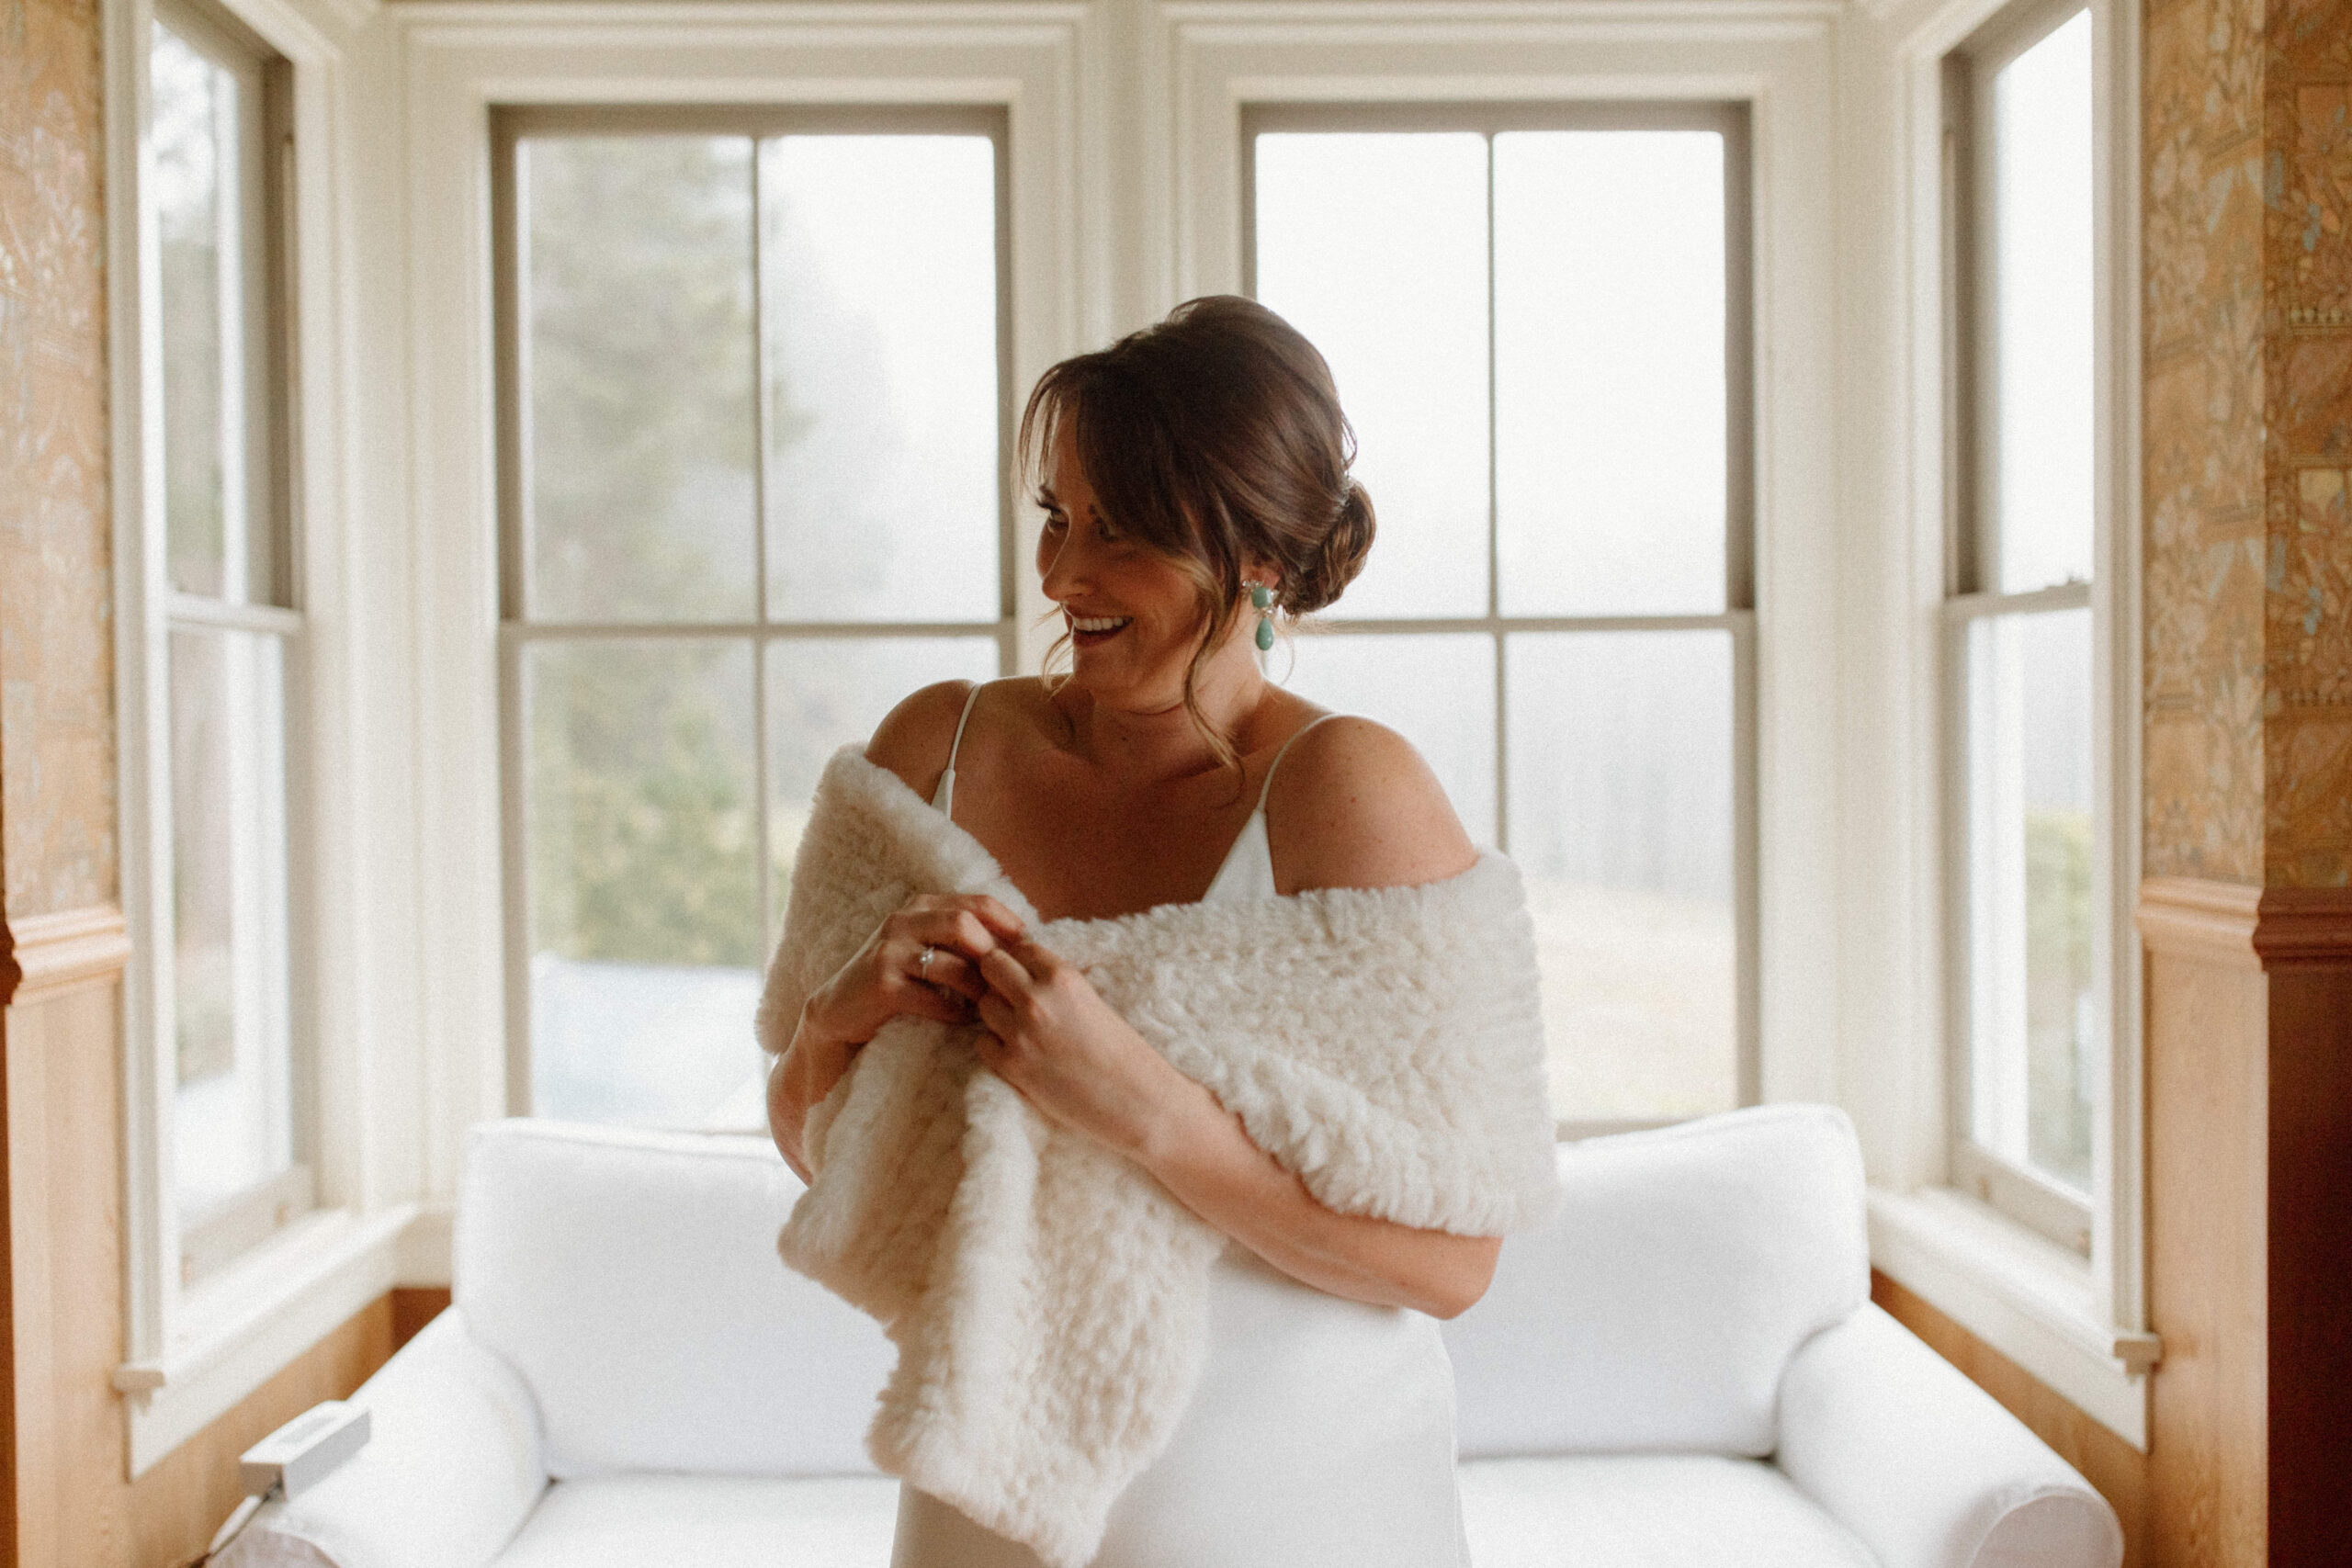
(1049, 1298)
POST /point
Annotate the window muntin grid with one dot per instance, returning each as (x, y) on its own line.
(1472, 698)
(848, 582)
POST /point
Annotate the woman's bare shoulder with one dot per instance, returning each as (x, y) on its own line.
(1355, 805)
(914, 740)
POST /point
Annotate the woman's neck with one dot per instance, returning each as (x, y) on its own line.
(1155, 741)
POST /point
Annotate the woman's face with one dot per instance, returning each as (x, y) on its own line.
(1133, 617)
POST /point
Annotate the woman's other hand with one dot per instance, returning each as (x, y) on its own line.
(1048, 1032)
(891, 975)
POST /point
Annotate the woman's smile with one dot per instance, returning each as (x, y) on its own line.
(1093, 631)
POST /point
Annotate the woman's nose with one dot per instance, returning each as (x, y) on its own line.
(1063, 566)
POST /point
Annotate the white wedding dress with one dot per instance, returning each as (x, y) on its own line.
(1322, 1432)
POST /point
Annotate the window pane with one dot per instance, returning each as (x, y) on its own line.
(637, 305)
(1609, 371)
(878, 262)
(826, 694)
(1437, 690)
(2033, 1028)
(194, 137)
(1620, 817)
(645, 926)
(2041, 293)
(232, 1121)
(1375, 246)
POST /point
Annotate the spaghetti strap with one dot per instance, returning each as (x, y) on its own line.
(1267, 788)
(943, 797)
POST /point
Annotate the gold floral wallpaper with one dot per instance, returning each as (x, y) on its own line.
(2307, 285)
(2247, 323)
(2202, 428)
(57, 763)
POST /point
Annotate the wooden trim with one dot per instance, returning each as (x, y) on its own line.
(414, 1306)
(47, 956)
(2194, 917)
(2304, 925)
(2241, 926)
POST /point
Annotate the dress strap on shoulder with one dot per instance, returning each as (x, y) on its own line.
(943, 797)
(1266, 788)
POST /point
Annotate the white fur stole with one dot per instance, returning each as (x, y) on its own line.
(1047, 1297)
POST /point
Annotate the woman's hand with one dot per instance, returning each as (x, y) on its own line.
(890, 975)
(884, 979)
(1051, 1035)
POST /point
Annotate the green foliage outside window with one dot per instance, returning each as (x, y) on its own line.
(641, 498)
(2058, 986)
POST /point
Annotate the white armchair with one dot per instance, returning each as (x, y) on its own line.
(1681, 1368)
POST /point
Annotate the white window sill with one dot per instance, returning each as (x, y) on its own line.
(238, 1329)
(2025, 1296)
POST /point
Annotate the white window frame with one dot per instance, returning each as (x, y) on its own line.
(1737, 620)
(1778, 59)
(193, 1352)
(2033, 1201)
(519, 627)
(461, 60)
(2077, 1323)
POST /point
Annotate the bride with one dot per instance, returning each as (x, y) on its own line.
(1194, 483)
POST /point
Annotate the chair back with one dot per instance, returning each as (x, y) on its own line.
(631, 1278)
(1659, 1307)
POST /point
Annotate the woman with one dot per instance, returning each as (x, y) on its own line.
(1195, 480)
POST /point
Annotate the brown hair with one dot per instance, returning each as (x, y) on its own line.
(1214, 435)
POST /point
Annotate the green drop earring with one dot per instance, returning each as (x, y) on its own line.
(1262, 598)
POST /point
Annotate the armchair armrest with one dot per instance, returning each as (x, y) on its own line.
(451, 1470)
(1924, 1466)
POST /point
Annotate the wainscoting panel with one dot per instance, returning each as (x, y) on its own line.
(2249, 1108)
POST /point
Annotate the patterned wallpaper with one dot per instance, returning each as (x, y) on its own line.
(2247, 323)
(2307, 287)
(57, 763)
(2202, 322)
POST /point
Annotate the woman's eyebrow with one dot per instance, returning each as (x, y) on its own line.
(1045, 496)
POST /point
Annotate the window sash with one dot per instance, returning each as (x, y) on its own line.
(2056, 1212)
(1972, 554)
(256, 599)
(1738, 618)
(519, 631)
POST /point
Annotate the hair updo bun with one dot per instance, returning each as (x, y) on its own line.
(1340, 556)
(1216, 438)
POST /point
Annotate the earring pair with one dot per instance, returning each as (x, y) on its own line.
(1261, 599)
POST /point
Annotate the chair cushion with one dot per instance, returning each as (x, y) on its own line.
(1658, 1309)
(631, 1279)
(709, 1521)
(1655, 1510)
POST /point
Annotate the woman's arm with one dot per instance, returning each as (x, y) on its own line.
(1200, 1153)
(1353, 806)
